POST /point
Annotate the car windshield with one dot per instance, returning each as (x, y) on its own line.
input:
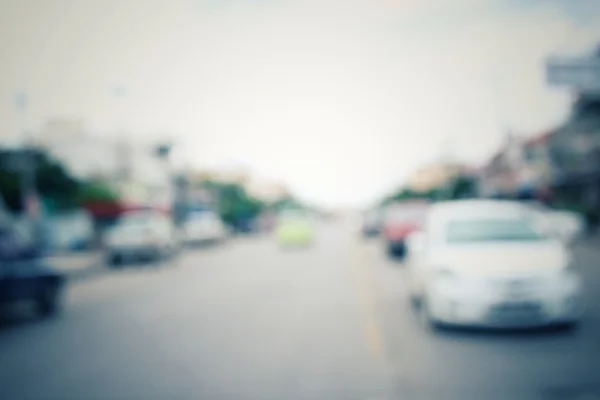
(491, 230)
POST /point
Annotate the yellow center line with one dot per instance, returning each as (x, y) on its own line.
(364, 282)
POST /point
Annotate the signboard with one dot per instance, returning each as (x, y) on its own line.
(581, 73)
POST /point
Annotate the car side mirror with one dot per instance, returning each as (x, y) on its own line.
(417, 242)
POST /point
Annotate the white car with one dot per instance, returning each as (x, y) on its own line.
(203, 227)
(567, 226)
(485, 263)
(142, 235)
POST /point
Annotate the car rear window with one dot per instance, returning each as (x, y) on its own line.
(491, 230)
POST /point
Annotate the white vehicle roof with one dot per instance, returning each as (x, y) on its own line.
(466, 209)
(443, 214)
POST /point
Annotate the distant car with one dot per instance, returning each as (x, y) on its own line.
(485, 263)
(203, 227)
(294, 229)
(142, 236)
(244, 225)
(371, 224)
(266, 222)
(25, 275)
(400, 220)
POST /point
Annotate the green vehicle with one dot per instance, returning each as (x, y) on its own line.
(294, 229)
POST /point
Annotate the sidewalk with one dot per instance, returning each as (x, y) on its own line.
(77, 265)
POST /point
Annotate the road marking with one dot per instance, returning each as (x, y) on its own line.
(374, 338)
(364, 282)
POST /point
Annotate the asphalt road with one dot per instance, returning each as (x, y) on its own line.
(250, 321)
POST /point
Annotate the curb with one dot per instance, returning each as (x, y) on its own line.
(84, 269)
(95, 269)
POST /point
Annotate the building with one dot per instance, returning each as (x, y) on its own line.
(575, 151)
(575, 146)
(132, 168)
(534, 177)
(269, 192)
(521, 168)
(434, 176)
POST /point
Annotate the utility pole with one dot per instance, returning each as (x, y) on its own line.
(446, 157)
(163, 152)
(123, 147)
(29, 197)
(27, 167)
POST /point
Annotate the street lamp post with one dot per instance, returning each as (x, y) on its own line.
(29, 198)
(27, 167)
(163, 151)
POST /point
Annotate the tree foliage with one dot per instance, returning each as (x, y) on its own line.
(96, 192)
(234, 202)
(460, 187)
(53, 181)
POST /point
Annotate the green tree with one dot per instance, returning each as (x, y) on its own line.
(10, 189)
(464, 187)
(96, 192)
(53, 180)
(234, 201)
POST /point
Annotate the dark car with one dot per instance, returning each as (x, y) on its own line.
(244, 225)
(401, 220)
(371, 224)
(25, 276)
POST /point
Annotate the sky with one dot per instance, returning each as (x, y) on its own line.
(341, 100)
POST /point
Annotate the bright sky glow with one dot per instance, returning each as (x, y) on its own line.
(339, 99)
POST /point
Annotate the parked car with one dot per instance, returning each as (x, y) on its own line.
(142, 236)
(486, 263)
(244, 225)
(25, 275)
(400, 220)
(371, 223)
(72, 231)
(203, 227)
(266, 222)
(294, 228)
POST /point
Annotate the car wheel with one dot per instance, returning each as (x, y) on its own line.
(115, 260)
(390, 251)
(48, 299)
(568, 326)
(400, 252)
(427, 320)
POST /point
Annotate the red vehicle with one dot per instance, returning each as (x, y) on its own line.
(400, 220)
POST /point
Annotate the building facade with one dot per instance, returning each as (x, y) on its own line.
(434, 176)
(521, 168)
(131, 168)
(575, 148)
